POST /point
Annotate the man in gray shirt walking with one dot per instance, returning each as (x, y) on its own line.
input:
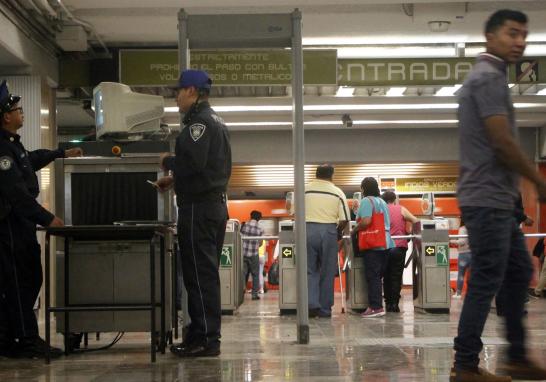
(491, 162)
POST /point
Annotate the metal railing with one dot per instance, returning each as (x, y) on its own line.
(396, 237)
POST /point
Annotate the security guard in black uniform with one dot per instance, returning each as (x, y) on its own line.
(20, 265)
(201, 169)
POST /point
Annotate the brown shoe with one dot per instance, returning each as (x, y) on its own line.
(478, 375)
(527, 370)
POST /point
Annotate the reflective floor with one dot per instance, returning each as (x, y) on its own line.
(260, 345)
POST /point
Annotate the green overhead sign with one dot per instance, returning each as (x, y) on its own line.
(145, 67)
(414, 71)
(227, 67)
(426, 71)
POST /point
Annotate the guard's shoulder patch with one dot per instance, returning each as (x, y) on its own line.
(196, 131)
(5, 163)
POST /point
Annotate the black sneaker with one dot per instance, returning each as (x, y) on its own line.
(322, 314)
(180, 348)
(314, 312)
(392, 308)
(211, 350)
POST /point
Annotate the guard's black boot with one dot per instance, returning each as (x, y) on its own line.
(34, 347)
(201, 350)
(180, 348)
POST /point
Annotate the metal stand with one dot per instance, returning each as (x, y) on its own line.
(152, 233)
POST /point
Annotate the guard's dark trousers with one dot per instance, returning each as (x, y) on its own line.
(201, 231)
(21, 273)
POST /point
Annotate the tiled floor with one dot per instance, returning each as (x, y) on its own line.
(260, 345)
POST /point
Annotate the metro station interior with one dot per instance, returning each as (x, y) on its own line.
(379, 80)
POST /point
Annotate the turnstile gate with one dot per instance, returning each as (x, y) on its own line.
(357, 286)
(287, 268)
(431, 289)
(231, 269)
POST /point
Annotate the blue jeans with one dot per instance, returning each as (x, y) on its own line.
(321, 265)
(375, 262)
(500, 262)
(463, 263)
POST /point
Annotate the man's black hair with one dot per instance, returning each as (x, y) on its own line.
(255, 215)
(325, 171)
(370, 187)
(497, 19)
(389, 196)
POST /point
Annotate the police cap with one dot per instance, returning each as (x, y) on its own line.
(7, 100)
(197, 78)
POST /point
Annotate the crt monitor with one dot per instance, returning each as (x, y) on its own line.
(121, 112)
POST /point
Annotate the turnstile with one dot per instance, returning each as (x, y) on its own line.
(232, 283)
(357, 286)
(287, 268)
(431, 289)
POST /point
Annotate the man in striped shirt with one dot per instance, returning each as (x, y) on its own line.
(250, 251)
(326, 215)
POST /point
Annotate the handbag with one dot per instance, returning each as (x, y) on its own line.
(273, 275)
(374, 235)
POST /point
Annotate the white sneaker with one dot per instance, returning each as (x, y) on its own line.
(261, 291)
(457, 295)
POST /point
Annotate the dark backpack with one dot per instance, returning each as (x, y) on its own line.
(273, 275)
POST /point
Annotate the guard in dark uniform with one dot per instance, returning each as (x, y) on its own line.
(200, 170)
(20, 265)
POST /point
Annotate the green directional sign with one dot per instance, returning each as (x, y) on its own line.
(442, 255)
(226, 257)
(159, 67)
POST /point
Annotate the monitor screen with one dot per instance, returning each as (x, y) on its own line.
(120, 112)
(99, 112)
(104, 198)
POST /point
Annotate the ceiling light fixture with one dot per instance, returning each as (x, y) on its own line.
(340, 123)
(396, 91)
(395, 52)
(353, 107)
(531, 50)
(345, 91)
(447, 91)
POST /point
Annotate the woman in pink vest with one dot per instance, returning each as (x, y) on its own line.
(392, 281)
